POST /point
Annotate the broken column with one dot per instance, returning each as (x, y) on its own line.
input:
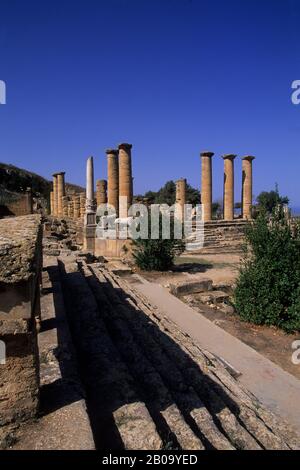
(65, 201)
(55, 194)
(82, 205)
(125, 179)
(180, 198)
(228, 197)
(113, 179)
(70, 209)
(51, 202)
(76, 202)
(247, 186)
(60, 192)
(101, 192)
(90, 208)
(206, 185)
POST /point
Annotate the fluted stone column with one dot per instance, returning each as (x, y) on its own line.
(101, 192)
(247, 186)
(125, 179)
(51, 202)
(180, 197)
(206, 185)
(113, 179)
(228, 195)
(60, 192)
(55, 194)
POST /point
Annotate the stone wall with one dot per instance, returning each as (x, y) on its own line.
(20, 205)
(20, 271)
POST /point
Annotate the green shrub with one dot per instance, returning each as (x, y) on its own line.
(159, 254)
(268, 286)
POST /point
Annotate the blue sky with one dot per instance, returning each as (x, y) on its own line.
(172, 77)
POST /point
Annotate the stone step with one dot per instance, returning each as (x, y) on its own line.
(239, 417)
(119, 417)
(64, 423)
(175, 432)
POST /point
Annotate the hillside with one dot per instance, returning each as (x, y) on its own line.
(17, 180)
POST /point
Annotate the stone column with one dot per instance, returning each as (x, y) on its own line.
(206, 185)
(113, 179)
(55, 194)
(70, 209)
(180, 198)
(65, 200)
(76, 199)
(101, 192)
(51, 202)
(247, 186)
(90, 208)
(125, 179)
(82, 205)
(60, 192)
(228, 194)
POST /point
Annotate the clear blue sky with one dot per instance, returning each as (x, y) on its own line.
(172, 77)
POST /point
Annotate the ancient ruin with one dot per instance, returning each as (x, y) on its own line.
(104, 366)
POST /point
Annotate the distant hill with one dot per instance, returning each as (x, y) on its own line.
(17, 180)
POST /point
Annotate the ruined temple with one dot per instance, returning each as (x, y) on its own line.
(91, 362)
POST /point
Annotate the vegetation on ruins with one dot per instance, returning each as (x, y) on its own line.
(167, 194)
(268, 200)
(268, 286)
(157, 254)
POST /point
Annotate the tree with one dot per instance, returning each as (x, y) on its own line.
(158, 254)
(268, 200)
(268, 286)
(167, 195)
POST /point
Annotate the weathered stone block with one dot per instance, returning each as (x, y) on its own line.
(190, 287)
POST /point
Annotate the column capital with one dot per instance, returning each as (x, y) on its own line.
(229, 156)
(60, 173)
(111, 152)
(125, 146)
(248, 157)
(180, 179)
(206, 154)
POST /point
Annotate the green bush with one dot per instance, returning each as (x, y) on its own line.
(268, 286)
(159, 254)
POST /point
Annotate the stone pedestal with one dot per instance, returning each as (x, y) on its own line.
(60, 192)
(206, 185)
(228, 195)
(101, 192)
(113, 179)
(125, 179)
(180, 198)
(247, 186)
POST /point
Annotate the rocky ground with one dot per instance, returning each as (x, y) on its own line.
(146, 384)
